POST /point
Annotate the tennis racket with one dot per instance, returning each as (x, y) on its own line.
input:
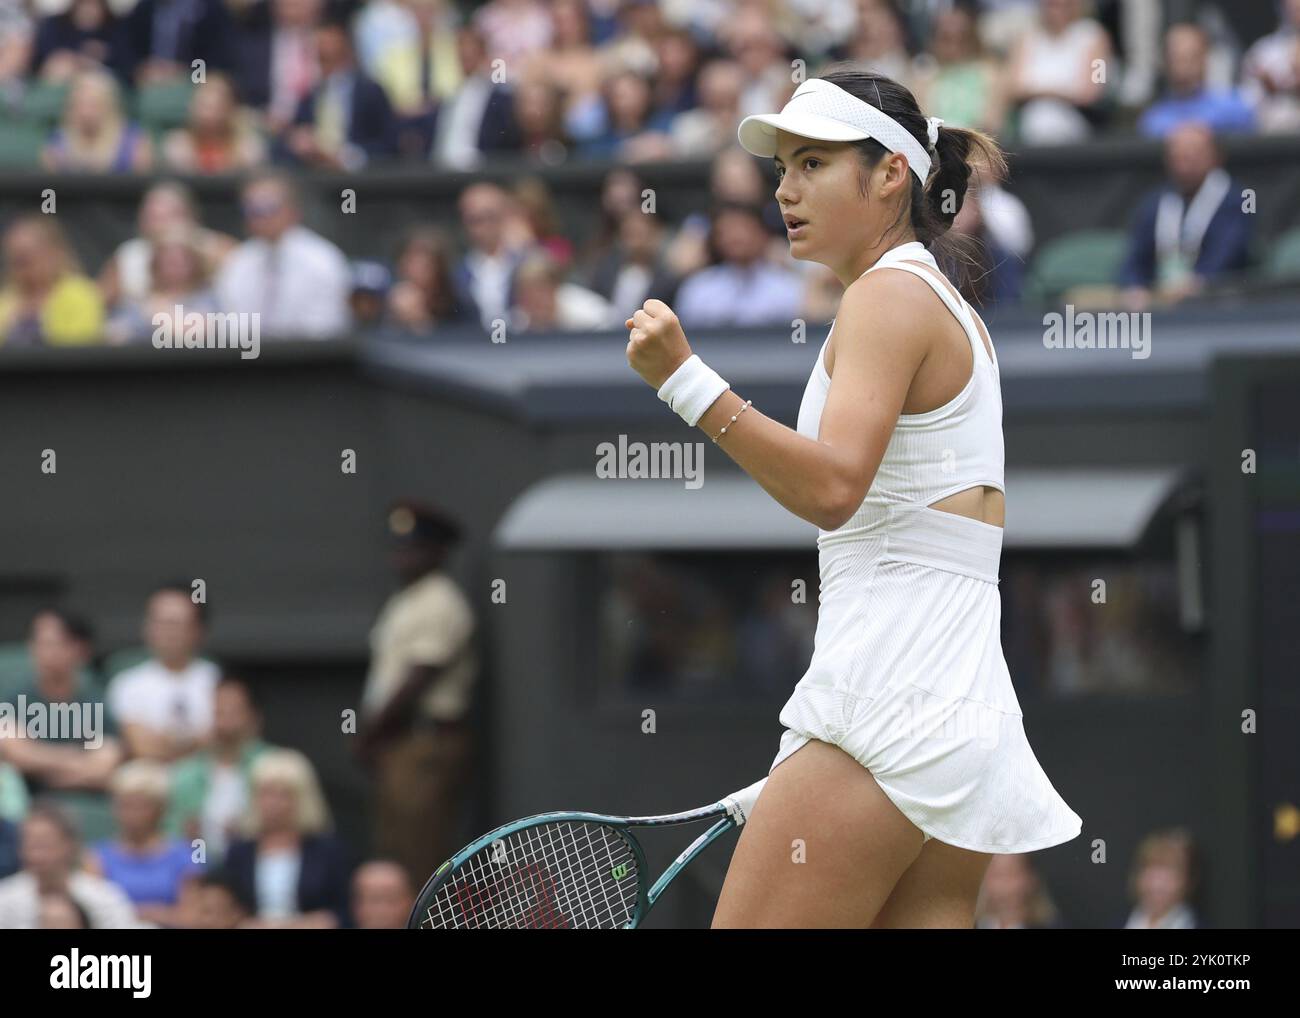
(564, 871)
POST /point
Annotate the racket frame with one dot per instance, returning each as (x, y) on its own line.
(729, 810)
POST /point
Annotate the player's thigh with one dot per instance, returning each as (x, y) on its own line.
(822, 847)
(938, 890)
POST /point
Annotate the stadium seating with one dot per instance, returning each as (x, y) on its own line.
(1283, 261)
(1081, 258)
(20, 143)
(42, 103)
(163, 106)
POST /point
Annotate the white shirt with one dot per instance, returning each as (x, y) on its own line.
(490, 283)
(1007, 219)
(226, 801)
(1272, 56)
(275, 875)
(579, 308)
(631, 286)
(1180, 917)
(134, 275)
(455, 142)
(299, 286)
(179, 703)
(104, 903)
(1054, 61)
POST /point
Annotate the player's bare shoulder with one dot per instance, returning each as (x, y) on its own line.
(901, 289)
(887, 313)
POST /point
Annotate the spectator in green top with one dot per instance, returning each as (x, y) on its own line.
(76, 752)
(955, 79)
(13, 792)
(210, 788)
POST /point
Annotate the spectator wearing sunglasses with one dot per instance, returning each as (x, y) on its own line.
(295, 279)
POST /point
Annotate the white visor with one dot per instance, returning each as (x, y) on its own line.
(821, 110)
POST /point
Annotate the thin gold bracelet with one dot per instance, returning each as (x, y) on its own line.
(748, 404)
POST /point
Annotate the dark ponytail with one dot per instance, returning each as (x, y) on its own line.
(957, 154)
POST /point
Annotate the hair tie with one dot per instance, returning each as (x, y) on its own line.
(932, 125)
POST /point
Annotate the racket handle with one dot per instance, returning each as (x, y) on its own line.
(741, 804)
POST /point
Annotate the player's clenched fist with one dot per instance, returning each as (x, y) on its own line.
(656, 345)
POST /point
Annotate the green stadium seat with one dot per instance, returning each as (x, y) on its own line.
(120, 660)
(17, 674)
(15, 670)
(43, 103)
(162, 106)
(1283, 261)
(93, 812)
(1081, 258)
(21, 143)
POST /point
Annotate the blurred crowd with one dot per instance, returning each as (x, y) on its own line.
(153, 798)
(292, 84)
(1162, 881)
(176, 813)
(514, 269)
(138, 788)
(348, 83)
(166, 807)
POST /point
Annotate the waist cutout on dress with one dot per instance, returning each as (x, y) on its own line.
(944, 540)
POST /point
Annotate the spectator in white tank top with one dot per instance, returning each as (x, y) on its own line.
(1055, 77)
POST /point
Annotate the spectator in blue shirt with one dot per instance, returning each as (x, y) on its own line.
(149, 865)
(1190, 230)
(1188, 96)
(631, 128)
(743, 287)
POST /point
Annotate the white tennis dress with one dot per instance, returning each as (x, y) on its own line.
(907, 674)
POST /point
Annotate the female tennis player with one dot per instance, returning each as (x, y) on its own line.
(904, 764)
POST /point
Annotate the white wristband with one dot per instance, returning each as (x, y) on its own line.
(692, 389)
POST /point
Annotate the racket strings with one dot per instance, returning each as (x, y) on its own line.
(543, 877)
(577, 861)
(567, 874)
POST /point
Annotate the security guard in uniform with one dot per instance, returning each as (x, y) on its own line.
(424, 665)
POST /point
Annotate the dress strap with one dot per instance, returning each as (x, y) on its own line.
(917, 264)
